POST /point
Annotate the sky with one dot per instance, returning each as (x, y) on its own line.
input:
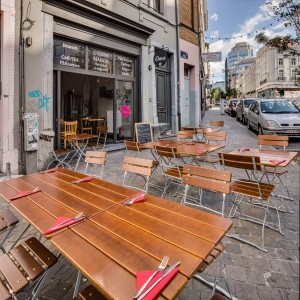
(235, 18)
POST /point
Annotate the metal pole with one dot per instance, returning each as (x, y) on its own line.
(178, 66)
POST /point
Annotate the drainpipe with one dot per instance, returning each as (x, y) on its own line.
(178, 66)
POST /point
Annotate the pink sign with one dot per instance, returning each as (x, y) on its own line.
(125, 111)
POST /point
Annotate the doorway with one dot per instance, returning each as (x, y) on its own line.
(163, 96)
(185, 116)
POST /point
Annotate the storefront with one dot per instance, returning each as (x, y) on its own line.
(92, 81)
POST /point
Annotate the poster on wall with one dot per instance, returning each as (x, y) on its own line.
(69, 54)
(124, 65)
(99, 60)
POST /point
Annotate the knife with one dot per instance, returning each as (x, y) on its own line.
(163, 275)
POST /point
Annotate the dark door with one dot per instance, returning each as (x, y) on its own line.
(163, 97)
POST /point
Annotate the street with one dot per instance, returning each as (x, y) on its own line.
(250, 273)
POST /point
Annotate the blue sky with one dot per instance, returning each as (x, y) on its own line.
(236, 18)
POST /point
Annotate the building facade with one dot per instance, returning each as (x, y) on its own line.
(192, 27)
(8, 110)
(115, 60)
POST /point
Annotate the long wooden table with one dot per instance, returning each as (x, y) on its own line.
(115, 242)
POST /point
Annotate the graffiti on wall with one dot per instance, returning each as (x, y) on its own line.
(43, 100)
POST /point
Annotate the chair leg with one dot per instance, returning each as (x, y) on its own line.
(20, 236)
(77, 285)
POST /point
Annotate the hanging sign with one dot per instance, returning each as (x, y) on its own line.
(160, 58)
(212, 56)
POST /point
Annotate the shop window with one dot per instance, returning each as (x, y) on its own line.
(100, 61)
(124, 65)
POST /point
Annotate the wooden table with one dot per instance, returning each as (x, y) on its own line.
(117, 241)
(267, 155)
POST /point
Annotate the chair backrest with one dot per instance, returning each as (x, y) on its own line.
(251, 163)
(70, 127)
(272, 140)
(188, 129)
(219, 123)
(185, 135)
(96, 158)
(141, 166)
(166, 151)
(216, 136)
(206, 178)
(131, 145)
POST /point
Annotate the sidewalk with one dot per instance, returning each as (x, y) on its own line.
(250, 273)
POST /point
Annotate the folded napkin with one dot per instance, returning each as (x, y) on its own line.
(139, 197)
(61, 223)
(243, 149)
(49, 170)
(202, 151)
(141, 278)
(85, 179)
(25, 193)
(277, 162)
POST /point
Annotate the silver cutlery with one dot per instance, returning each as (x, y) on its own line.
(161, 267)
(164, 274)
(64, 222)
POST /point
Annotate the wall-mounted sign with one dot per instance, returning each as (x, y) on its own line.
(184, 54)
(124, 65)
(69, 54)
(160, 58)
(212, 56)
(208, 86)
(99, 60)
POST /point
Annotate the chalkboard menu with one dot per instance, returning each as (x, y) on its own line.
(69, 54)
(124, 65)
(143, 132)
(101, 61)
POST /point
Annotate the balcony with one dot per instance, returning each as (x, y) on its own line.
(281, 78)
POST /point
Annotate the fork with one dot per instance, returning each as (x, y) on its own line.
(161, 267)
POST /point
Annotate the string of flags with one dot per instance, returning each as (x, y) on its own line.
(240, 36)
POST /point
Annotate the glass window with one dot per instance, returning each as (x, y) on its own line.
(280, 74)
(156, 5)
(100, 60)
(124, 65)
(69, 54)
(293, 61)
(280, 61)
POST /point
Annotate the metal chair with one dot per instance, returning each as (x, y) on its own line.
(27, 263)
(185, 135)
(139, 167)
(132, 146)
(84, 126)
(69, 129)
(208, 179)
(102, 136)
(97, 158)
(216, 123)
(252, 188)
(170, 165)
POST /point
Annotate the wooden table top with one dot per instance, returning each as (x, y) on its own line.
(164, 143)
(80, 137)
(201, 129)
(267, 155)
(117, 241)
(194, 149)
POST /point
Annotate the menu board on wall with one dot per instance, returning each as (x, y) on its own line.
(69, 54)
(124, 65)
(101, 61)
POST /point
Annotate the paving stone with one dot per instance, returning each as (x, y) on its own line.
(294, 282)
(280, 266)
(233, 248)
(266, 292)
(295, 267)
(278, 280)
(289, 294)
(236, 273)
(246, 291)
(255, 276)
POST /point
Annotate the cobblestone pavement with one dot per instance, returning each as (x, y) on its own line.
(249, 273)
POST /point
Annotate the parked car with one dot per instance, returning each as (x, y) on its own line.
(274, 116)
(242, 109)
(230, 108)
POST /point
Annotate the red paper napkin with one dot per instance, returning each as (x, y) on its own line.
(85, 179)
(277, 162)
(62, 222)
(201, 151)
(139, 197)
(141, 278)
(25, 193)
(243, 149)
(49, 171)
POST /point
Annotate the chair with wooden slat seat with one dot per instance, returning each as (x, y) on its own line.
(141, 167)
(85, 126)
(8, 222)
(276, 173)
(132, 146)
(102, 132)
(252, 188)
(24, 264)
(216, 123)
(185, 135)
(90, 293)
(170, 165)
(95, 158)
(208, 179)
(69, 129)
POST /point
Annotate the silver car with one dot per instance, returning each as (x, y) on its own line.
(242, 109)
(274, 116)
